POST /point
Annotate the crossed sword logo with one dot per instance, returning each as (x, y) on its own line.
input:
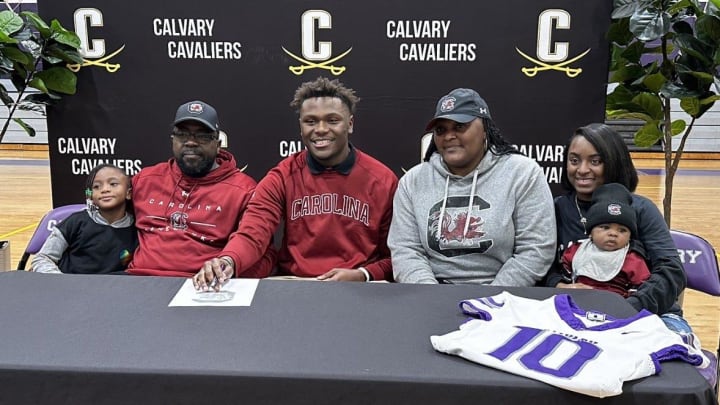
(327, 65)
(541, 66)
(110, 67)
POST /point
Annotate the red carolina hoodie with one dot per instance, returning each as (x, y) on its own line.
(183, 221)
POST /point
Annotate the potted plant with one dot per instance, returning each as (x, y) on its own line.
(683, 39)
(34, 55)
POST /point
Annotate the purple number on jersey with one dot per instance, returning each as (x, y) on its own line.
(532, 359)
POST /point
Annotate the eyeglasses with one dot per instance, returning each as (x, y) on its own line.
(199, 137)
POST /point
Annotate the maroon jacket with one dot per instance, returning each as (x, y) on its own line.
(633, 272)
(333, 217)
(183, 221)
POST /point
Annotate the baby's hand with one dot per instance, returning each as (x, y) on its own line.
(574, 285)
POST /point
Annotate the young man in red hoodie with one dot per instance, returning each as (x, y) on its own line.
(187, 208)
(335, 201)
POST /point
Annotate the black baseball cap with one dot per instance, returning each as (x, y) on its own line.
(199, 111)
(460, 105)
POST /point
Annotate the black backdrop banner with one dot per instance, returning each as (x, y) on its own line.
(541, 65)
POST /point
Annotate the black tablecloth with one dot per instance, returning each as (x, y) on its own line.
(74, 339)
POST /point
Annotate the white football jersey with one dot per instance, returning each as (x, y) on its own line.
(557, 342)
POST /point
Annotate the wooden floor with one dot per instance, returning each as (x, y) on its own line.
(25, 197)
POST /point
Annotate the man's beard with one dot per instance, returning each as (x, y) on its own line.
(200, 170)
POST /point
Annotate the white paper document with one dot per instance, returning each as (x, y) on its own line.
(235, 293)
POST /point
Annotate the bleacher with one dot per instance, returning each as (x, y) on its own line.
(704, 136)
(627, 128)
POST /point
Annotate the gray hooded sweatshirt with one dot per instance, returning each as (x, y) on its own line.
(495, 225)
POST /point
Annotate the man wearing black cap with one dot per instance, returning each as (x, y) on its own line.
(607, 260)
(186, 208)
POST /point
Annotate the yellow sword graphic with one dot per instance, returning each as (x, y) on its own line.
(110, 67)
(570, 72)
(335, 70)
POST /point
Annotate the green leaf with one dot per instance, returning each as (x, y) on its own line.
(26, 105)
(64, 52)
(651, 68)
(708, 29)
(679, 6)
(59, 79)
(648, 135)
(32, 47)
(650, 104)
(39, 98)
(658, 49)
(619, 32)
(5, 39)
(696, 8)
(53, 96)
(704, 78)
(625, 73)
(18, 76)
(673, 90)
(5, 97)
(710, 99)
(690, 105)
(715, 3)
(52, 59)
(631, 115)
(633, 52)
(10, 22)
(15, 54)
(612, 113)
(38, 23)
(654, 82)
(6, 65)
(694, 47)
(37, 83)
(64, 36)
(620, 98)
(649, 24)
(682, 27)
(677, 126)
(616, 60)
(24, 34)
(696, 107)
(703, 109)
(30, 130)
(693, 79)
(623, 8)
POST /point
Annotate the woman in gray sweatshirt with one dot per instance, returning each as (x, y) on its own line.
(476, 211)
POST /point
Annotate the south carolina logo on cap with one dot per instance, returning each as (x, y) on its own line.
(614, 209)
(195, 108)
(448, 104)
